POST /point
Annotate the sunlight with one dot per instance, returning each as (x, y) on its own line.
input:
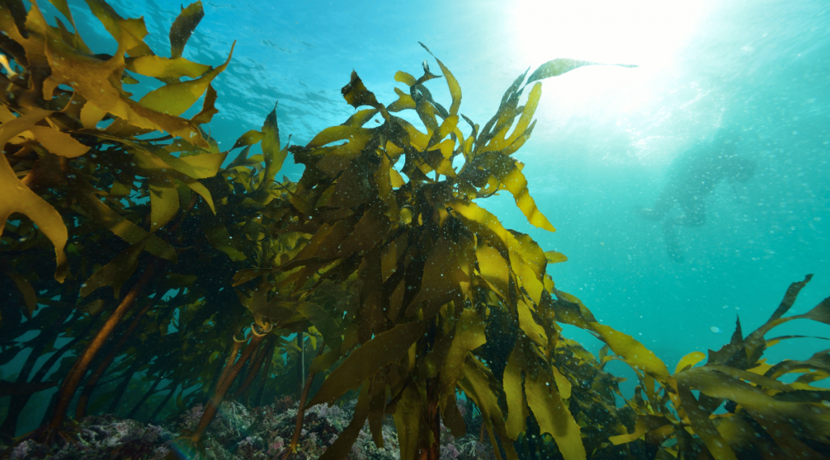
(642, 112)
(648, 33)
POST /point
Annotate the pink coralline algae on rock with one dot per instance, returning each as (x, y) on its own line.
(102, 438)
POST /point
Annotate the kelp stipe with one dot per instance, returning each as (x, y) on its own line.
(427, 265)
(402, 291)
(77, 161)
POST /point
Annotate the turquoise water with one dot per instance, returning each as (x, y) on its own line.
(605, 139)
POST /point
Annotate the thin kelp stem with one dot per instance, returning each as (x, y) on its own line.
(237, 346)
(301, 373)
(79, 369)
(17, 403)
(44, 369)
(256, 365)
(174, 386)
(126, 377)
(81, 366)
(298, 427)
(246, 372)
(433, 451)
(83, 400)
(144, 398)
(222, 388)
(264, 379)
(208, 389)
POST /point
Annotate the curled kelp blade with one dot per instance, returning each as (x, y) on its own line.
(16, 197)
(183, 27)
(26, 290)
(51, 56)
(557, 67)
(452, 83)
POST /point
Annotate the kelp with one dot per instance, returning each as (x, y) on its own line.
(403, 291)
(53, 137)
(426, 261)
(743, 409)
(78, 164)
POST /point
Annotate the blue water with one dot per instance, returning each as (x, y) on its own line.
(605, 137)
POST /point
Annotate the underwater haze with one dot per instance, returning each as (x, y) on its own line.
(605, 137)
(687, 174)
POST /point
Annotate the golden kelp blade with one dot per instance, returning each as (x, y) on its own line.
(16, 197)
(705, 427)
(554, 257)
(176, 97)
(476, 384)
(405, 78)
(356, 94)
(470, 334)
(63, 7)
(517, 411)
(163, 68)
(452, 83)
(634, 353)
(58, 142)
(164, 202)
(219, 237)
(89, 205)
(129, 33)
(639, 430)
(516, 183)
(445, 276)
(4, 61)
(501, 141)
(689, 360)
(553, 415)
(208, 107)
(71, 67)
(250, 137)
(543, 400)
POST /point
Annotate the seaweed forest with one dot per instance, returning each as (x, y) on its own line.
(155, 284)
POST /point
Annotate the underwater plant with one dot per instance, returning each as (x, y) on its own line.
(376, 278)
(79, 165)
(429, 265)
(735, 406)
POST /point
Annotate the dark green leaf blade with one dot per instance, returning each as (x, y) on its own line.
(183, 27)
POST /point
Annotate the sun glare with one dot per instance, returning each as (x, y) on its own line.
(647, 33)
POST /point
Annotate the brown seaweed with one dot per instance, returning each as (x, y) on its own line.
(403, 292)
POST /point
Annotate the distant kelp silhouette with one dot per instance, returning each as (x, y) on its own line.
(402, 291)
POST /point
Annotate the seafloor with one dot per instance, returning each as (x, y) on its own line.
(238, 433)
